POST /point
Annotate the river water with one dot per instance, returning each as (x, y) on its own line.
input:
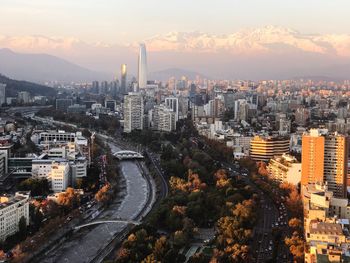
(84, 245)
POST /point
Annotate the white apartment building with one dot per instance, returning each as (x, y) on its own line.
(164, 119)
(59, 176)
(57, 172)
(133, 112)
(173, 104)
(78, 169)
(285, 168)
(12, 208)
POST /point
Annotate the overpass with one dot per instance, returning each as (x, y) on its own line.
(124, 155)
(108, 222)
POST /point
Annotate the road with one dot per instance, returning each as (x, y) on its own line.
(269, 214)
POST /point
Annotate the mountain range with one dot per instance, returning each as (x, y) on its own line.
(15, 86)
(270, 52)
(43, 68)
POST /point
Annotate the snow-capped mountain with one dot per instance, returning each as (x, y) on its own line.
(267, 52)
(260, 40)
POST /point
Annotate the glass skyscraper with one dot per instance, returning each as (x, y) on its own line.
(142, 67)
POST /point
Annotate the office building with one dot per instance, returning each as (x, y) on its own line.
(76, 108)
(285, 169)
(142, 67)
(325, 160)
(133, 112)
(63, 104)
(123, 78)
(103, 89)
(12, 209)
(95, 87)
(111, 104)
(2, 94)
(265, 148)
(56, 172)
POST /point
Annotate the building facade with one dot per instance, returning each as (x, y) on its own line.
(265, 148)
(285, 169)
(133, 112)
(142, 67)
(12, 209)
(325, 160)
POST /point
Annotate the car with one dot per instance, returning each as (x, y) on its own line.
(270, 248)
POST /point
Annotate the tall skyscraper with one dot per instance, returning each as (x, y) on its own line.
(133, 112)
(95, 87)
(142, 67)
(123, 89)
(324, 160)
(2, 94)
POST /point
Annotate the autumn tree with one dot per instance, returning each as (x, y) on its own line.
(102, 195)
(221, 178)
(295, 223)
(69, 199)
(296, 246)
(262, 170)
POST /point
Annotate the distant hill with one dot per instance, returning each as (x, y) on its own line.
(42, 68)
(14, 86)
(164, 75)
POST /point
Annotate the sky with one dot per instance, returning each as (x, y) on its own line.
(125, 21)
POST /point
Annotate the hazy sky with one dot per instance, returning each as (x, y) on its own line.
(117, 21)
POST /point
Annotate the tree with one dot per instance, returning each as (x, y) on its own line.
(295, 223)
(179, 239)
(262, 169)
(69, 199)
(296, 246)
(294, 203)
(160, 248)
(22, 228)
(103, 195)
(36, 186)
(51, 209)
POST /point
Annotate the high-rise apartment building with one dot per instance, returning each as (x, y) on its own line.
(123, 88)
(133, 112)
(173, 104)
(142, 67)
(164, 119)
(103, 89)
(324, 160)
(2, 94)
(95, 87)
